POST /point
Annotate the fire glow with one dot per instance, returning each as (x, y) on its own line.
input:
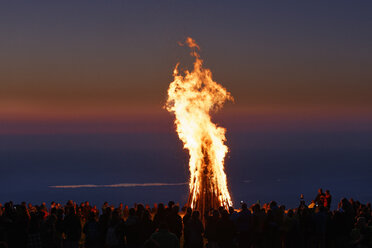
(192, 97)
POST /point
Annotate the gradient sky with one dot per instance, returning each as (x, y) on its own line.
(91, 60)
(298, 70)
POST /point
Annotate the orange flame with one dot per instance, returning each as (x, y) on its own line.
(192, 97)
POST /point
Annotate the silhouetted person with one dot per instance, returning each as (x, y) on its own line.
(174, 221)
(258, 221)
(194, 231)
(160, 215)
(320, 225)
(92, 232)
(132, 230)
(187, 216)
(104, 222)
(225, 231)
(244, 226)
(271, 231)
(362, 234)
(327, 200)
(49, 235)
(163, 238)
(72, 228)
(170, 206)
(104, 207)
(18, 233)
(34, 237)
(302, 201)
(139, 210)
(319, 199)
(87, 210)
(290, 231)
(267, 227)
(147, 226)
(211, 229)
(115, 231)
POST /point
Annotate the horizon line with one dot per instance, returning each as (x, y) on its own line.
(119, 185)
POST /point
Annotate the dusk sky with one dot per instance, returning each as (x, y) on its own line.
(74, 60)
(300, 74)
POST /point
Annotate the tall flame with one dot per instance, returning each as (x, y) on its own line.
(192, 97)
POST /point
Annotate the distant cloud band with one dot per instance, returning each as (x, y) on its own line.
(119, 185)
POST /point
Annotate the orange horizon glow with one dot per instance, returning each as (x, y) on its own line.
(237, 121)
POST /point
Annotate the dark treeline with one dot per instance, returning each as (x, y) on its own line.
(269, 225)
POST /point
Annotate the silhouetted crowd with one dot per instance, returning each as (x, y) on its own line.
(267, 225)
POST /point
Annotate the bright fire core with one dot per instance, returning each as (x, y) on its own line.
(192, 97)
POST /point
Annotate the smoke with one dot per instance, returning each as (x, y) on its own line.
(119, 185)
